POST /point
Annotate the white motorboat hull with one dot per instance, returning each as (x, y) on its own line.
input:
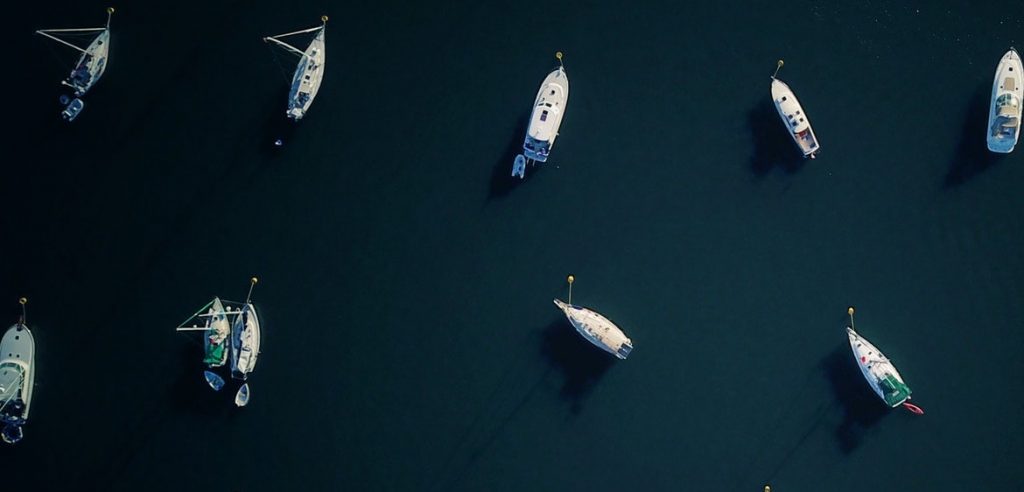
(797, 123)
(546, 119)
(874, 365)
(597, 329)
(307, 79)
(1004, 115)
(18, 347)
(245, 342)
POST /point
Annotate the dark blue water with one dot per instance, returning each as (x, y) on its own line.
(409, 339)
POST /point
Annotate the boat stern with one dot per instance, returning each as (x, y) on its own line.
(536, 149)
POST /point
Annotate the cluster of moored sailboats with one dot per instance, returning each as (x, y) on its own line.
(231, 333)
(92, 62)
(231, 330)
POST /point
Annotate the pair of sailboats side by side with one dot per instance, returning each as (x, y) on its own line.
(231, 334)
(92, 62)
(879, 372)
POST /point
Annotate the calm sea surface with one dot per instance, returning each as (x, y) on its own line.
(409, 340)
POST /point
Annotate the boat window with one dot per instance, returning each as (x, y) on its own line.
(544, 116)
(552, 92)
(783, 98)
(547, 104)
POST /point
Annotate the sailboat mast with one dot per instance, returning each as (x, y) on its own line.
(110, 13)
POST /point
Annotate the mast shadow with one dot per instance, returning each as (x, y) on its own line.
(773, 147)
(502, 181)
(277, 127)
(862, 409)
(582, 364)
(972, 156)
(190, 393)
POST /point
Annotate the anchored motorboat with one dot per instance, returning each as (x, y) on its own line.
(17, 378)
(310, 71)
(793, 117)
(1005, 110)
(879, 371)
(545, 120)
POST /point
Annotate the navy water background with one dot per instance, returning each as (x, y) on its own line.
(410, 342)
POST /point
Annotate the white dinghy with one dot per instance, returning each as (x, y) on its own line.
(245, 338)
(879, 371)
(545, 120)
(1005, 108)
(310, 72)
(93, 60)
(17, 377)
(242, 397)
(597, 329)
(797, 123)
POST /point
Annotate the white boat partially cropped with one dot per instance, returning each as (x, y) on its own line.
(597, 329)
(793, 117)
(545, 120)
(93, 60)
(879, 371)
(310, 72)
(17, 378)
(1005, 109)
(245, 339)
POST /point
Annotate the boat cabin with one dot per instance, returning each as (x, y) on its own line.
(1007, 115)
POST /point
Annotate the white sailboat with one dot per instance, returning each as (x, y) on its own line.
(1005, 109)
(797, 123)
(93, 60)
(879, 371)
(597, 329)
(17, 378)
(310, 71)
(545, 120)
(245, 339)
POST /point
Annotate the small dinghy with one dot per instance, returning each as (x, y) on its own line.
(519, 166)
(546, 119)
(793, 117)
(17, 378)
(242, 397)
(1005, 108)
(245, 340)
(597, 329)
(72, 110)
(879, 371)
(216, 382)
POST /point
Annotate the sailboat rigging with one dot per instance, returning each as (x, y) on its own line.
(310, 71)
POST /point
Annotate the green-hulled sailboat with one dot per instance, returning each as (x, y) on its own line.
(880, 372)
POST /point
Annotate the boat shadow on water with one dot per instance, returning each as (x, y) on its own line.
(276, 128)
(861, 407)
(972, 156)
(190, 394)
(773, 147)
(502, 181)
(582, 365)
